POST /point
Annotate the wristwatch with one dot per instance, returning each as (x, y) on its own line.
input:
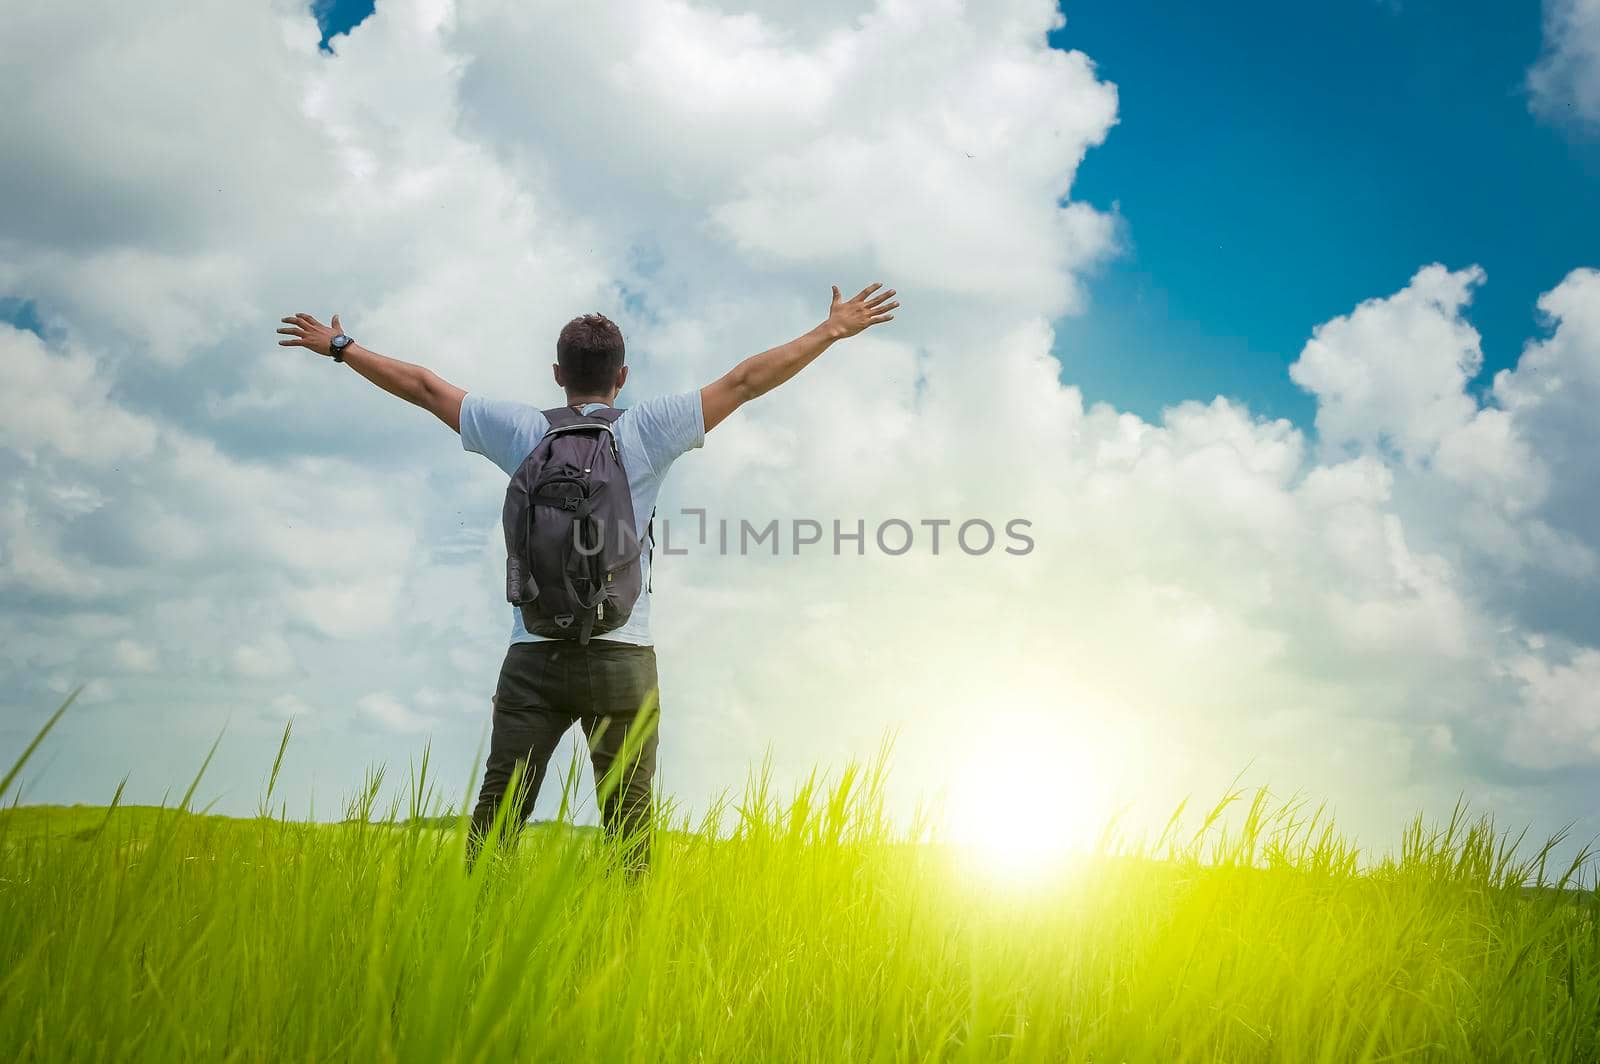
(337, 345)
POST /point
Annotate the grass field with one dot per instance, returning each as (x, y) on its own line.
(808, 932)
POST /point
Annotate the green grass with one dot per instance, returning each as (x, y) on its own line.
(809, 931)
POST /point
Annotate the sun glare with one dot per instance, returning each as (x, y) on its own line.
(1024, 798)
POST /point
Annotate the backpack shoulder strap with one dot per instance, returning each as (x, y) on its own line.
(560, 416)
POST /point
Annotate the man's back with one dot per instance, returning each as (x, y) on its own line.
(650, 436)
(607, 684)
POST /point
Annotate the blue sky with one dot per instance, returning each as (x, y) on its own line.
(339, 16)
(1276, 164)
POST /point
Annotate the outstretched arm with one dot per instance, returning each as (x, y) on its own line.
(761, 373)
(414, 384)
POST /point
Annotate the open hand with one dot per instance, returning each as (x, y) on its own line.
(309, 332)
(846, 317)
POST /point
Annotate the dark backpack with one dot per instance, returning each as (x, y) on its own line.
(572, 548)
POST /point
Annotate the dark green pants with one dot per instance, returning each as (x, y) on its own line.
(545, 688)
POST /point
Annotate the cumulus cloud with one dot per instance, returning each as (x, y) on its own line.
(263, 658)
(57, 397)
(1565, 82)
(134, 656)
(1387, 611)
(1550, 397)
(1394, 372)
(389, 712)
(287, 707)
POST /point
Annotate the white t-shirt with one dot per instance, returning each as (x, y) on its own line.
(650, 437)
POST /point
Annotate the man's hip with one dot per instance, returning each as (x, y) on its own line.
(599, 679)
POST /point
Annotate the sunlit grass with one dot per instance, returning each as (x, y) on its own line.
(806, 930)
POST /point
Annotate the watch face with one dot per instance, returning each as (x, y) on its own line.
(340, 341)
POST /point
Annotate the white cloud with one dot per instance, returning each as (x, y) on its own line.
(135, 656)
(60, 402)
(1550, 398)
(1565, 82)
(263, 658)
(1558, 720)
(288, 707)
(389, 712)
(1392, 374)
(840, 147)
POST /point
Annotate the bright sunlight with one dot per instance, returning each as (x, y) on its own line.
(1027, 795)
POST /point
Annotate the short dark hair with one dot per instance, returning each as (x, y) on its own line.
(590, 352)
